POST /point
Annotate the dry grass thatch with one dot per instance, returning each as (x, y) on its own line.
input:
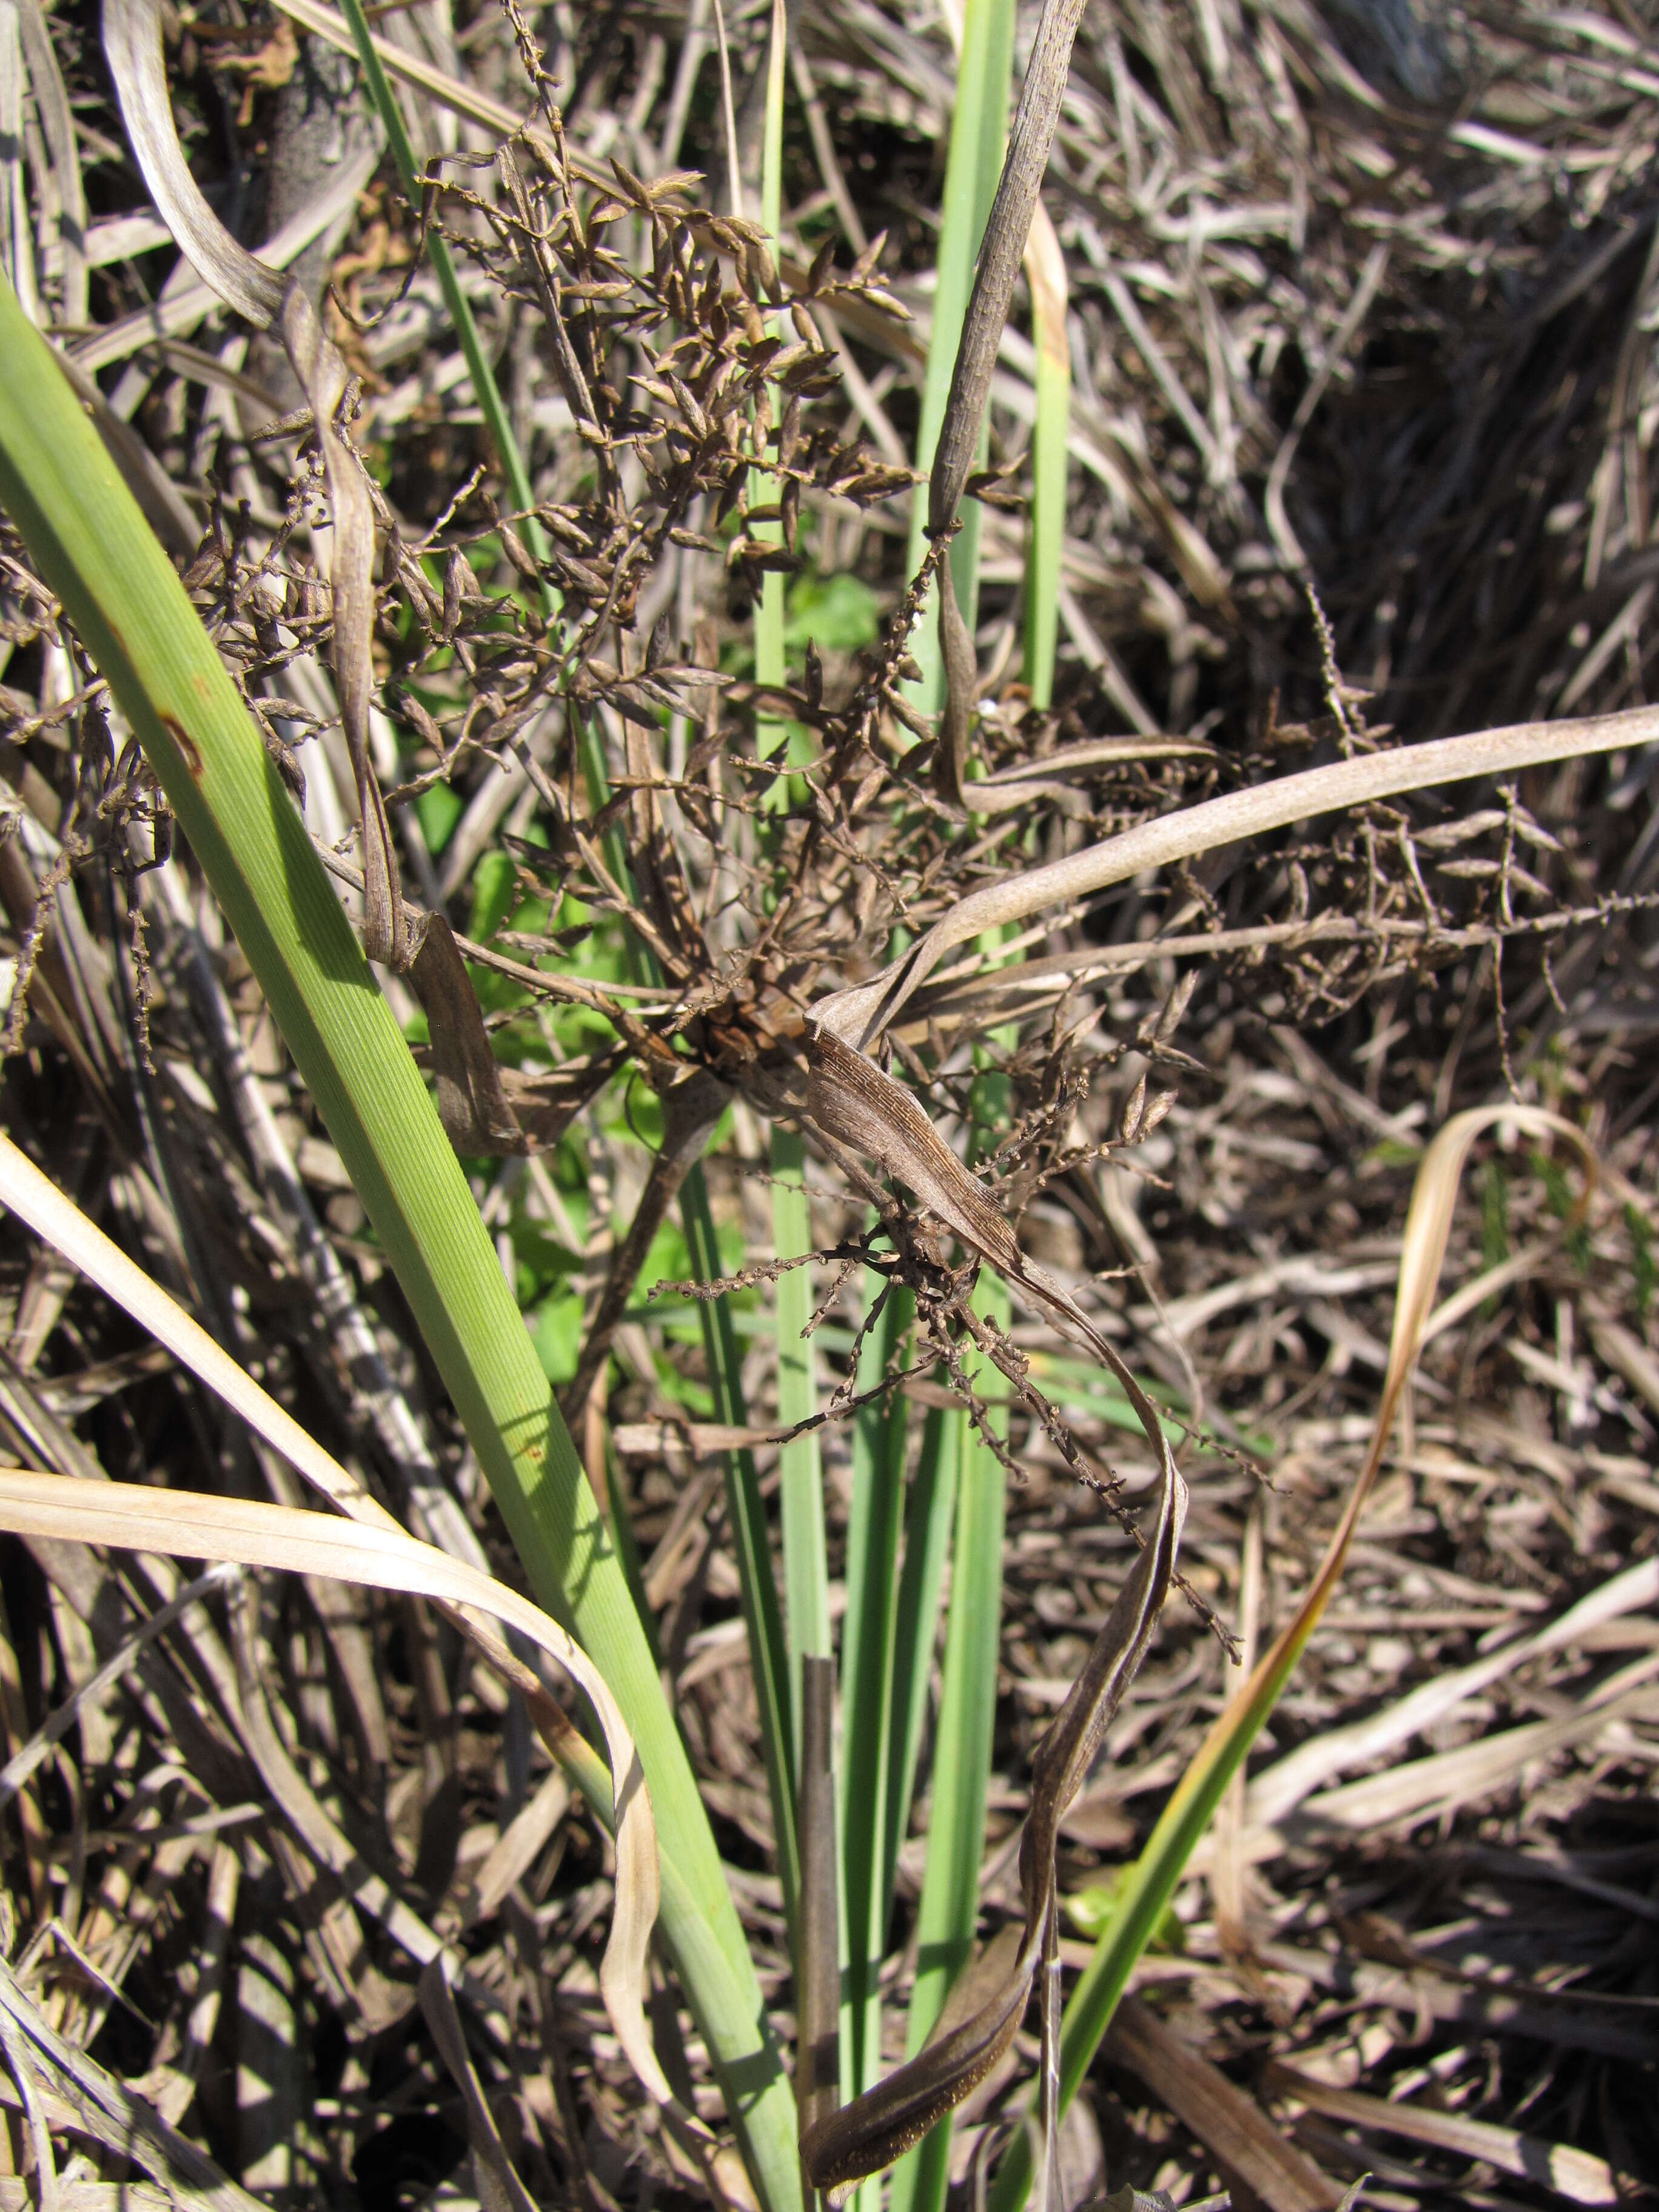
(1361, 302)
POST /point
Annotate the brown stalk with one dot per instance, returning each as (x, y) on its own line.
(818, 2060)
(690, 1111)
(1000, 254)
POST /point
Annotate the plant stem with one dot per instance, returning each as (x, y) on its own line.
(961, 1765)
(768, 1656)
(806, 1571)
(979, 127)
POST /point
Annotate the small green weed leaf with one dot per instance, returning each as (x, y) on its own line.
(1642, 1267)
(437, 811)
(495, 891)
(839, 614)
(557, 1335)
(1092, 1911)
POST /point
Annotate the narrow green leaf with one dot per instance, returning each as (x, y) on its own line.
(868, 1657)
(627, 1544)
(961, 1761)
(806, 1571)
(96, 552)
(768, 1656)
(927, 1526)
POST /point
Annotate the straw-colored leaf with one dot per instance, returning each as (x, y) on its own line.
(368, 1548)
(51, 105)
(860, 1013)
(192, 1525)
(1045, 273)
(180, 309)
(1577, 2177)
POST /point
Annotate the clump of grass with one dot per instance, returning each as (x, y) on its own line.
(682, 922)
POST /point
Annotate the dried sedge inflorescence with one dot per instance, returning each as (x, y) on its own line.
(674, 399)
(693, 379)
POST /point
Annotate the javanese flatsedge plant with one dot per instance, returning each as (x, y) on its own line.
(801, 967)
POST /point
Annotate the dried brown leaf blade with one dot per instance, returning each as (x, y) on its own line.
(1248, 2149)
(1007, 230)
(499, 2187)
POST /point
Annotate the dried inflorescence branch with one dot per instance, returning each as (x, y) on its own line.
(695, 379)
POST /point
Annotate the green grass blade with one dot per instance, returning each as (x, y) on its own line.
(979, 129)
(962, 1762)
(869, 1649)
(768, 1655)
(98, 554)
(888, 1641)
(627, 1544)
(928, 1526)
(487, 391)
(805, 1569)
(1045, 267)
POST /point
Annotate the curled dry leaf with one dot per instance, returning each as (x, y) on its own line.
(1428, 1226)
(378, 1554)
(859, 1112)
